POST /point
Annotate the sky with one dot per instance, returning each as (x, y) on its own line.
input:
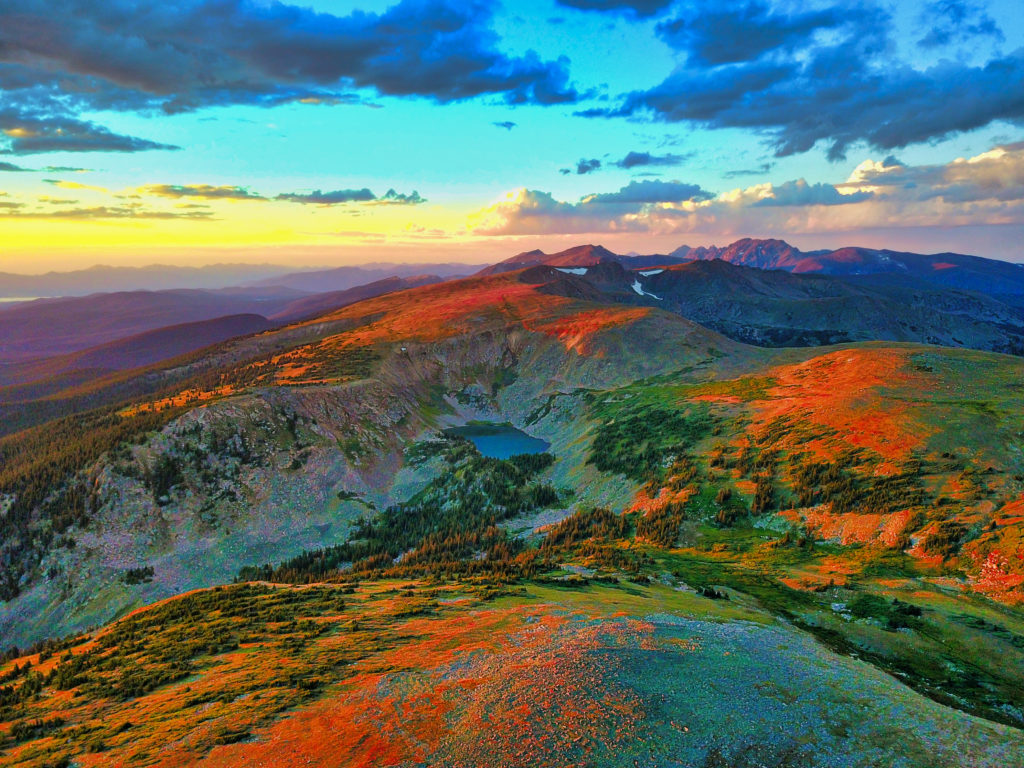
(135, 132)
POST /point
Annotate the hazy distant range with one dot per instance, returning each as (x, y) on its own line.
(107, 279)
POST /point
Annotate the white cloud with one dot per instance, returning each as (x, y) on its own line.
(986, 189)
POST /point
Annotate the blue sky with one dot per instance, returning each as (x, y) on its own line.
(243, 130)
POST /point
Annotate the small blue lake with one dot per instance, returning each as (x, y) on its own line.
(499, 441)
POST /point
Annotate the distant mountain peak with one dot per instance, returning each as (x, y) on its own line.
(578, 256)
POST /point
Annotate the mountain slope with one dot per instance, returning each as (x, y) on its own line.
(576, 257)
(132, 352)
(774, 308)
(949, 270)
(52, 375)
(50, 327)
(108, 279)
(579, 256)
(344, 278)
(407, 672)
(850, 512)
(319, 303)
(336, 396)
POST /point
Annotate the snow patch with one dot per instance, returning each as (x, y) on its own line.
(572, 270)
(640, 291)
(649, 272)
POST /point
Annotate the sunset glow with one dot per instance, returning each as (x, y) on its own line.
(644, 126)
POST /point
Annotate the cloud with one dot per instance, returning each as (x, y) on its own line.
(74, 185)
(641, 8)
(106, 212)
(25, 134)
(799, 192)
(583, 167)
(723, 32)
(762, 169)
(980, 191)
(534, 212)
(950, 21)
(638, 159)
(204, 191)
(995, 177)
(62, 58)
(840, 88)
(649, 191)
(508, 125)
(345, 196)
(210, 192)
(664, 207)
(338, 197)
(185, 55)
(397, 198)
(630, 209)
(12, 168)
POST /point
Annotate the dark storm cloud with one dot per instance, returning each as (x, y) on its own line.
(725, 32)
(644, 159)
(26, 133)
(59, 58)
(650, 191)
(951, 21)
(639, 7)
(841, 93)
(188, 54)
(92, 138)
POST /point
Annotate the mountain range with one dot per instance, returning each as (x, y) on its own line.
(110, 279)
(752, 516)
(949, 270)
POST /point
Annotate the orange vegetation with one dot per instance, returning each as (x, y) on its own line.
(427, 314)
(647, 504)
(840, 391)
(576, 330)
(185, 397)
(852, 527)
(998, 556)
(830, 571)
(519, 686)
(441, 311)
(396, 675)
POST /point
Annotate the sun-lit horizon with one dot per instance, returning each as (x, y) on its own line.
(335, 132)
